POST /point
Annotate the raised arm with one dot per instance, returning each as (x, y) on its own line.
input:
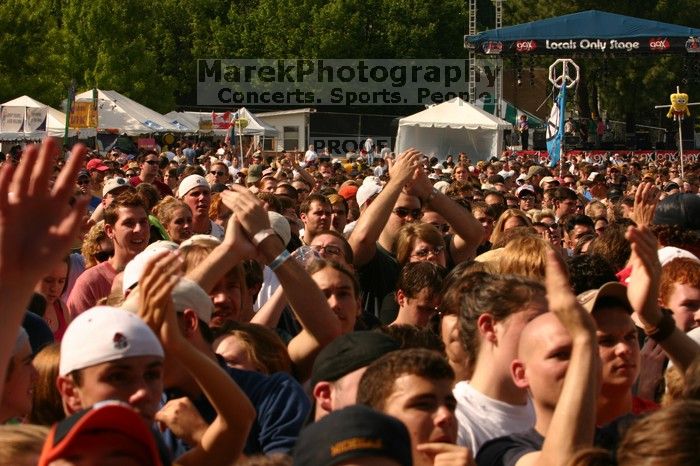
(643, 295)
(37, 228)
(468, 230)
(363, 239)
(572, 425)
(320, 324)
(223, 441)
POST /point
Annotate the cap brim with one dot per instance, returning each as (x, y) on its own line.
(115, 418)
(589, 299)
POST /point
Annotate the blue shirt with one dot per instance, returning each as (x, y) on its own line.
(280, 403)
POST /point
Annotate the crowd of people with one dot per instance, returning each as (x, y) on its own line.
(190, 307)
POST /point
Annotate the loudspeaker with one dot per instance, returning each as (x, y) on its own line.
(539, 140)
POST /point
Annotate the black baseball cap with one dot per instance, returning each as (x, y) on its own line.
(350, 352)
(351, 433)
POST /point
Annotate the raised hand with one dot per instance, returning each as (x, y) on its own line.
(247, 208)
(645, 201)
(562, 301)
(643, 289)
(156, 308)
(38, 224)
(406, 166)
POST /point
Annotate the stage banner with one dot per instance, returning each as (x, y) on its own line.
(36, 119)
(83, 115)
(12, 119)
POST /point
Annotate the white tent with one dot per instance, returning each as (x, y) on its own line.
(53, 125)
(452, 127)
(256, 126)
(117, 113)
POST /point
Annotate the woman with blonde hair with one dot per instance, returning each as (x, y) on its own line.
(47, 406)
(176, 218)
(511, 218)
(420, 242)
(526, 256)
(97, 247)
(20, 445)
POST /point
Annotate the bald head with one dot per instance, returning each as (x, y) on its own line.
(541, 332)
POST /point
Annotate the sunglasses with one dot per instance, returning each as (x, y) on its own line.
(152, 162)
(426, 252)
(217, 173)
(403, 212)
(328, 249)
(102, 256)
(83, 181)
(442, 227)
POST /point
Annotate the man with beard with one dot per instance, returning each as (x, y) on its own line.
(196, 193)
(126, 224)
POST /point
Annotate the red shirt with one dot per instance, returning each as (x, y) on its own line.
(163, 189)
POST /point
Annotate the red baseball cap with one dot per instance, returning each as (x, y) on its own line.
(96, 164)
(106, 424)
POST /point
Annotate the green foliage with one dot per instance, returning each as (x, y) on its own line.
(148, 49)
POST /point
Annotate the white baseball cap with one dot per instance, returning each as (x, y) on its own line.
(187, 294)
(191, 182)
(134, 268)
(102, 334)
(114, 183)
(366, 191)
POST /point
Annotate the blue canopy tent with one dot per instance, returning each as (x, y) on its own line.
(587, 32)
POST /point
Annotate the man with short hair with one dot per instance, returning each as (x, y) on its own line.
(219, 173)
(576, 227)
(196, 193)
(126, 224)
(564, 202)
(315, 213)
(340, 365)
(149, 166)
(415, 386)
(418, 293)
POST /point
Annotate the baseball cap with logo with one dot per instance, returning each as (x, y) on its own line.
(191, 182)
(107, 423)
(114, 183)
(352, 433)
(102, 334)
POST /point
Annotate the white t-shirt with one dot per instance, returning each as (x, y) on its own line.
(482, 418)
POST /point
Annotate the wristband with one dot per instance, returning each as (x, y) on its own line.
(662, 330)
(262, 235)
(279, 260)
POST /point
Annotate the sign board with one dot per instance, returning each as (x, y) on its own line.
(83, 114)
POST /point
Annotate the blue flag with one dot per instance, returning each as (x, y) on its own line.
(555, 127)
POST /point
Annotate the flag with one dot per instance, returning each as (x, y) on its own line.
(230, 132)
(555, 127)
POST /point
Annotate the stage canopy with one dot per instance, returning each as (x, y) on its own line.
(452, 127)
(587, 32)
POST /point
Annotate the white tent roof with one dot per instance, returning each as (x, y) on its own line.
(55, 120)
(118, 113)
(256, 126)
(452, 127)
(455, 114)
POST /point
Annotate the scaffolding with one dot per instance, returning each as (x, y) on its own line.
(498, 84)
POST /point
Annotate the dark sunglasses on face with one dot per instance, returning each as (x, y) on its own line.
(151, 162)
(102, 256)
(404, 212)
(217, 173)
(84, 181)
